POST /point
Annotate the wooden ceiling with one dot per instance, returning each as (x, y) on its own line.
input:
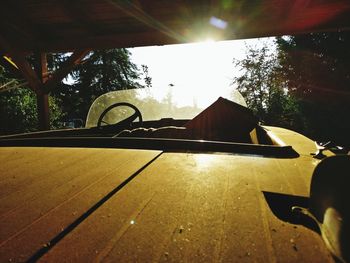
(64, 25)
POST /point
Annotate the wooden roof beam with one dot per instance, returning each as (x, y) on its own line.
(19, 58)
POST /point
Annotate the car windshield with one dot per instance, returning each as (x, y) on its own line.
(150, 108)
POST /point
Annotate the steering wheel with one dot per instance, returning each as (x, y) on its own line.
(128, 120)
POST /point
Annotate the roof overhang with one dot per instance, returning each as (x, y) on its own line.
(61, 25)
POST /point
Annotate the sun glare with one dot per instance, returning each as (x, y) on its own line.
(196, 73)
(207, 41)
(204, 160)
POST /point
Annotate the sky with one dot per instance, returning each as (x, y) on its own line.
(200, 72)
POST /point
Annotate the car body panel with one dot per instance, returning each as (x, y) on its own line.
(300, 143)
(197, 208)
(52, 187)
(139, 205)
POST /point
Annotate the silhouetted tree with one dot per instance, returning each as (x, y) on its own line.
(316, 68)
(102, 71)
(264, 89)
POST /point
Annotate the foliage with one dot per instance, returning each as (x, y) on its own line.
(316, 68)
(102, 71)
(262, 85)
(18, 109)
(56, 113)
(147, 78)
(304, 86)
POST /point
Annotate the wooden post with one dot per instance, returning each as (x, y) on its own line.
(43, 111)
(42, 97)
(38, 79)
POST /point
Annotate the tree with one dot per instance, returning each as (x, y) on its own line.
(316, 68)
(102, 71)
(264, 88)
(18, 111)
(305, 85)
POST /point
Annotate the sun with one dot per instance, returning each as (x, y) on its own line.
(208, 41)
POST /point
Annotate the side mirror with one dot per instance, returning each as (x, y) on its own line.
(329, 204)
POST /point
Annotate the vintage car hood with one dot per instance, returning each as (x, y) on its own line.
(122, 205)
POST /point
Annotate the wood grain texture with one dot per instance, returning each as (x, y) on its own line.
(198, 208)
(46, 189)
